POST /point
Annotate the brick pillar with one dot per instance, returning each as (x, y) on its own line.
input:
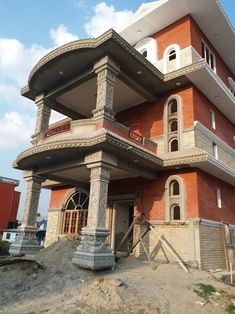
(93, 251)
(26, 242)
(106, 71)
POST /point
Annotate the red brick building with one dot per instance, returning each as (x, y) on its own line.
(150, 129)
(9, 202)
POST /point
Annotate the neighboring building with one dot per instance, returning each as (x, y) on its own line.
(168, 153)
(9, 203)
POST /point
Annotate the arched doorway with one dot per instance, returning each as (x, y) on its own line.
(75, 214)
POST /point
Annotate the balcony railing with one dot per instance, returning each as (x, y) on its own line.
(67, 128)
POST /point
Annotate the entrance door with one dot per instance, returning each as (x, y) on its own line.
(123, 212)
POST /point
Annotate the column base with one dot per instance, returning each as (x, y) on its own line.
(93, 252)
(25, 243)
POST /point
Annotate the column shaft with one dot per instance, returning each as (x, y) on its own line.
(26, 241)
(93, 252)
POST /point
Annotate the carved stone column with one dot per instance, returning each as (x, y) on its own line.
(93, 251)
(106, 71)
(26, 241)
(43, 116)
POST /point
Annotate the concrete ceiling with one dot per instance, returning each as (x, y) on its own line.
(82, 98)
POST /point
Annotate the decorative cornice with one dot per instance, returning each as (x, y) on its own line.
(100, 137)
(185, 70)
(93, 43)
(225, 16)
(185, 160)
(219, 82)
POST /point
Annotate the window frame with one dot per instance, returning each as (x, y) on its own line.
(209, 57)
(174, 200)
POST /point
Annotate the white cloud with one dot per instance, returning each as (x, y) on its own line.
(16, 60)
(61, 35)
(106, 17)
(15, 130)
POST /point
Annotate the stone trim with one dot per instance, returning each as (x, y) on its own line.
(181, 198)
(100, 137)
(214, 138)
(93, 43)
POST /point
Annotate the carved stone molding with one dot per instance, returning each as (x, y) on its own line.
(43, 116)
(93, 251)
(106, 71)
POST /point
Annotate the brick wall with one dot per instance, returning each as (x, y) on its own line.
(176, 33)
(207, 199)
(151, 194)
(196, 36)
(224, 128)
(147, 119)
(185, 32)
(58, 196)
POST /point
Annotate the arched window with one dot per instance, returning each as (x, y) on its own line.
(175, 212)
(174, 147)
(172, 55)
(174, 188)
(76, 212)
(174, 199)
(172, 124)
(148, 48)
(144, 53)
(79, 200)
(171, 58)
(172, 106)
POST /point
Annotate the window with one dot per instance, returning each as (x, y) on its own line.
(174, 188)
(8, 236)
(174, 199)
(144, 53)
(218, 198)
(172, 124)
(174, 147)
(172, 55)
(175, 212)
(173, 106)
(171, 58)
(76, 213)
(231, 85)
(79, 200)
(215, 150)
(172, 116)
(148, 48)
(212, 119)
(208, 55)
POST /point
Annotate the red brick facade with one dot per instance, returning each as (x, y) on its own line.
(147, 120)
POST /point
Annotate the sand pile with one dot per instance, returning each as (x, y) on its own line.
(133, 287)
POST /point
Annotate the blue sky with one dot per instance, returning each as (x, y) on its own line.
(28, 30)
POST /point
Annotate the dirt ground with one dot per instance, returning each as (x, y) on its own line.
(133, 287)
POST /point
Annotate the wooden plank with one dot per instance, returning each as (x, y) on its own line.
(126, 234)
(146, 251)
